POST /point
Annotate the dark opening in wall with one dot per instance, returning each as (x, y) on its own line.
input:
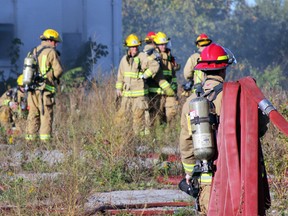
(6, 37)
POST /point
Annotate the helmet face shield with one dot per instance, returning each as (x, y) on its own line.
(232, 58)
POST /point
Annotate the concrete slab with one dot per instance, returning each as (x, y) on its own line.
(137, 197)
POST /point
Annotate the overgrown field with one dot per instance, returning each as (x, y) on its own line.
(101, 156)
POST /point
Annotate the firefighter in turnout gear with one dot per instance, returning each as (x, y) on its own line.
(134, 69)
(164, 103)
(43, 87)
(149, 39)
(191, 75)
(213, 62)
(13, 109)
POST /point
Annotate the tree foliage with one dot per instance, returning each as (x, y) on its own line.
(14, 54)
(256, 34)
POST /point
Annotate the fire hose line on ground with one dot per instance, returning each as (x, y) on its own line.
(240, 185)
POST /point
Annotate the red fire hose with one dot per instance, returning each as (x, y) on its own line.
(240, 185)
(257, 96)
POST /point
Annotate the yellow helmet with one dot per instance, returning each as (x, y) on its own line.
(132, 40)
(20, 80)
(161, 38)
(51, 34)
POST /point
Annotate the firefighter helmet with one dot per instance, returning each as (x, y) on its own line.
(203, 40)
(213, 57)
(161, 38)
(20, 80)
(51, 34)
(132, 40)
(150, 37)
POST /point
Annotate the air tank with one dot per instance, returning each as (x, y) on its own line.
(29, 70)
(202, 134)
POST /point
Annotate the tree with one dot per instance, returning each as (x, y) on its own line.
(14, 52)
(181, 20)
(255, 34)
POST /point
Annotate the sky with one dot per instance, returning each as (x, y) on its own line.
(250, 2)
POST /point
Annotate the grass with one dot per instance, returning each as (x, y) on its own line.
(103, 156)
(275, 149)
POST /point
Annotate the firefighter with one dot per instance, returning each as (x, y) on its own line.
(149, 39)
(41, 98)
(164, 105)
(191, 75)
(13, 109)
(134, 69)
(213, 62)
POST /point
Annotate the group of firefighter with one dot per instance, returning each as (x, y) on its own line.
(147, 80)
(146, 83)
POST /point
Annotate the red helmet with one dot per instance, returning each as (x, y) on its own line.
(150, 37)
(203, 40)
(213, 57)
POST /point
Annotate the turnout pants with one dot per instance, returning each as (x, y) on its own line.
(171, 106)
(162, 108)
(135, 108)
(5, 117)
(40, 117)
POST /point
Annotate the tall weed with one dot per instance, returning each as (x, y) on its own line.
(275, 149)
(103, 156)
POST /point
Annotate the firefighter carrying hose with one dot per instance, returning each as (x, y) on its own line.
(191, 75)
(41, 85)
(134, 69)
(213, 62)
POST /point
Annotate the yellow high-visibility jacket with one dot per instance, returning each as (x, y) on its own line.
(189, 73)
(49, 65)
(130, 72)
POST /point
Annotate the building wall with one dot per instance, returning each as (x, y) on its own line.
(7, 32)
(77, 20)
